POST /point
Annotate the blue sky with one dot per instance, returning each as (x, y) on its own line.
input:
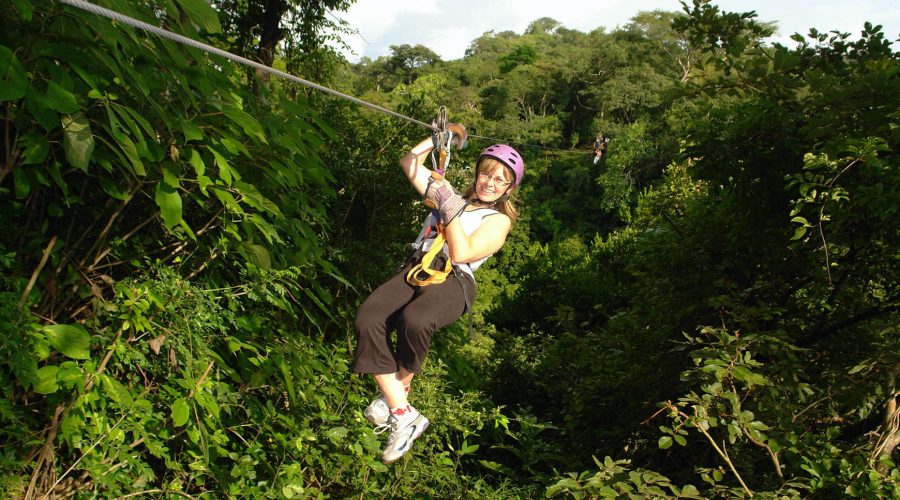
(448, 27)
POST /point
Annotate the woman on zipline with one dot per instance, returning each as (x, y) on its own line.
(475, 225)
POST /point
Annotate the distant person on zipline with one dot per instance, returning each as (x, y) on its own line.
(418, 300)
(600, 147)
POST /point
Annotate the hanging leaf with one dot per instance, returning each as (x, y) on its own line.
(225, 171)
(69, 374)
(202, 14)
(25, 9)
(191, 131)
(37, 106)
(249, 124)
(46, 380)
(169, 203)
(116, 391)
(13, 81)
(665, 442)
(157, 343)
(23, 184)
(60, 99)
(690, 491)
(228, 200)
(134, 158)
(35, 149)
(170, 178)
(259, 256)
(180, 412)
(111, 188)
(78, 141)
(196, 161)
(252, 197)
(72, 340)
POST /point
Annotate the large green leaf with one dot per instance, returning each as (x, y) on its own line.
(60, 99)
(115, 390)
(25, 9)
(23, 184)
(13, 81)
(196, 161)
(258, 256)
(191, 131)
(180, 412)
(111, 188)
(252, 197)
(36, 104)
(46, 380)
(69, 374)
(78, 141)
(35, 148)
(228, 200)
(247, 123)
(202, 14)
(72, 340)
(226, 173)
(131, 152)
(169, 203)
(664, 442)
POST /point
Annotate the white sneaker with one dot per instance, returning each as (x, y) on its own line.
(378, 412)
(404, 430)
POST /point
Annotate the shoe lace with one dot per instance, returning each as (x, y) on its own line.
(381, 428)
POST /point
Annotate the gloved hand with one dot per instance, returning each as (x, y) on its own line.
(441, 195)
(460, 136)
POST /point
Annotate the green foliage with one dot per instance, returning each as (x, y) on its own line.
(615, 480)
(183, 247)
(521, 54)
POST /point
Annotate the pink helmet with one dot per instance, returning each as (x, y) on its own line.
(508, 156)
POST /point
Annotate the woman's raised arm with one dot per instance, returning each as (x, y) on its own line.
(413, 165)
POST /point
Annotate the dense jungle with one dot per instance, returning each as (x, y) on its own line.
(710, 311)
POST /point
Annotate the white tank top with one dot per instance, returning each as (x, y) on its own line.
(470, 220)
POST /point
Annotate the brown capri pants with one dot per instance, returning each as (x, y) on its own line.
(415, 312)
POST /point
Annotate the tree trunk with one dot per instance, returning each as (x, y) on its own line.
(271, 35)
(890, 437)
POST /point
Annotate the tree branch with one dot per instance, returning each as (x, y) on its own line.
(11, 156)
(772, 453)
(37, 271)
(823, 333)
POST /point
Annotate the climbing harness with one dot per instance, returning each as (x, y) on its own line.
(433, 266)
(424, 272)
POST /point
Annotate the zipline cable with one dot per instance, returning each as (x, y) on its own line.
(149, 28)
(548, 148)
(115, 16)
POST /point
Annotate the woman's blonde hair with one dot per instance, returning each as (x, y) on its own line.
(504, 204)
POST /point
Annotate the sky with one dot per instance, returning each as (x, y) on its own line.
(449, 27)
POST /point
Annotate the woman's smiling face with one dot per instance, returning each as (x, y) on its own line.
(492, 181)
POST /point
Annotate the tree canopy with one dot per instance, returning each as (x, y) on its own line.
(710, 311)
